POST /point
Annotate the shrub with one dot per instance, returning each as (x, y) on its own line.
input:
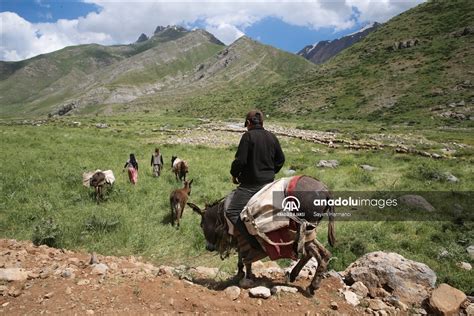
(46, 232)
(95, 224)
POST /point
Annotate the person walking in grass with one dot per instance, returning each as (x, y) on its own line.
(132, 166)
(259, 157)
(156, 162)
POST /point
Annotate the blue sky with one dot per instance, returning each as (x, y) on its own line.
(31, 27)
(47, 11)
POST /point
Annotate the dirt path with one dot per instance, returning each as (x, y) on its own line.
(54, 281)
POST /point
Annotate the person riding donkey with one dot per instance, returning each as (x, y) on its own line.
(259, 157)
(157, 162)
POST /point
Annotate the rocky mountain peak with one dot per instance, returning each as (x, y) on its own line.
(321, 51)
(142, 38)
(178, 28)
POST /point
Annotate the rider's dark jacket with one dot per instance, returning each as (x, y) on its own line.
(258, 158)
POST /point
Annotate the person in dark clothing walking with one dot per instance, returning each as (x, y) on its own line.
(259, 157)
(156, 162)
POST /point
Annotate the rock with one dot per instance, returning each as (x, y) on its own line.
(48, 295)
(334, 306)
(232, 292)
(446, 300)
(368, 167)
(377, 304)
(283, 289)
(13, 274)
(360, 289)
(409, 280)
(93, 259)
(14, 292)
(334, 274)
(328, 163)
(450, 178)
(68, 291)
(443, 254)
(99, 268)
(397, 303)
(470, 310)
(68, 273)
(351, 298)
(465, 266)
(260, 292)
(101, 125)
(419, 311)
(416, 202)
(83, 282)
(165, 270)
(90, 312)
(375, 292)
(206, 272)
(470, 251)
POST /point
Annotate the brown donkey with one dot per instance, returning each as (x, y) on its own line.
(98, 182)
(179, 167)
(178, 199)
(214, 226)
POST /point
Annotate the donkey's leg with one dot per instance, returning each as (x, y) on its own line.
(322, 255)
(297, 268)
(248, 271)
(172, 213)
(240, 268)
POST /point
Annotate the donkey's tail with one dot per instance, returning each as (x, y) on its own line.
(331, 226)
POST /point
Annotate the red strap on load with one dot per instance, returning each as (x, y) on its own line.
(290, 189)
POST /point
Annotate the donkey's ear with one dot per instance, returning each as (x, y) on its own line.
(196, 208)
(191, 181)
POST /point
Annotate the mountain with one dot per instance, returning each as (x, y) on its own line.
(170, 68)
(142, 38)
(415, 69)
(319, 52)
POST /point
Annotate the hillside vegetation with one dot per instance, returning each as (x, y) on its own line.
(379, 79)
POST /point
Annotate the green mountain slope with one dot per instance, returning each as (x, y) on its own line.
(171, 70)
(418, 67)
(40, 84)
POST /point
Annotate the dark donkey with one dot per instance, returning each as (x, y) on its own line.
(178, 199)
(98, 181)
(215, 227)
(179, 167)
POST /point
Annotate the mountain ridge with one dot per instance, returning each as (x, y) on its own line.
(320, 52)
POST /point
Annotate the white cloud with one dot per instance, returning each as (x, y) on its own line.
(122, 21)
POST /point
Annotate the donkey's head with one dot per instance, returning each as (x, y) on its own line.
(209, 220)
(187, 186)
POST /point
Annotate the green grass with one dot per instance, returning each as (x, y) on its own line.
(42, 195)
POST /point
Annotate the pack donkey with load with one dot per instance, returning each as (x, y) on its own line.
(281, 233)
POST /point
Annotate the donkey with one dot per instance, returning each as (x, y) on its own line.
(98, 181)
(178, 199)
(179, 167)
(215, 230)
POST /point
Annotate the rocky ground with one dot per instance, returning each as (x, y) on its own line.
(43, 280)
(46, 280)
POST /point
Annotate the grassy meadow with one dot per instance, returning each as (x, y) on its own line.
(42, 196)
